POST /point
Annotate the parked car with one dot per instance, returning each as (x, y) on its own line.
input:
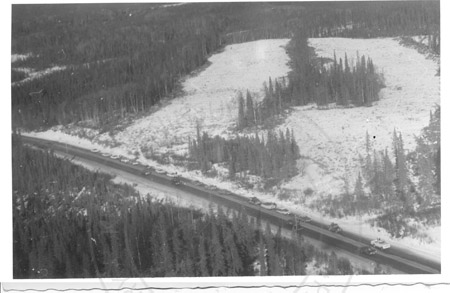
(269, 205)
(198, 183)
(255, 201)
(176, 181)
(160, 171)
(95, 150)
(172, 174)
(283, 211)
(305, 219)
(115, 157)
(334, 228)
(296, 224)
(105, 155)
(124, 160)
(380, 244)
(368, 250)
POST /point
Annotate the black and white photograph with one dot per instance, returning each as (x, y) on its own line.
(225, 139)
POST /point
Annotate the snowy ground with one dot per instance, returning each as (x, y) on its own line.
(17, 57)
(210, 99)
(32, 74)
(333, 138)
(330, 138)
(423, 39)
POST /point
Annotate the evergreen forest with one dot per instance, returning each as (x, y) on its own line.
(118, 60)
(69, 222)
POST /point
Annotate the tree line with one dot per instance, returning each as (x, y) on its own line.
(374, 19)
(271, 158)
(118, 62)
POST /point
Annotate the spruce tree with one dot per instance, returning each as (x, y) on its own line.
(251, 117)
(359, 189)
(241, 113)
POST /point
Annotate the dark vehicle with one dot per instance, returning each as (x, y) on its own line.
(305, 219)
(255, 201)
(176, 181)
(368, 250)
(295, 224)
(283, 211)
(334, 228)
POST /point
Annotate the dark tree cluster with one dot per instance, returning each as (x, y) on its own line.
(252, 113)
(425, 45)
(312, 80)
(316, 80)
(373, 19)
(394, 181)
(69, 222)
(274, 157)
(401, 188)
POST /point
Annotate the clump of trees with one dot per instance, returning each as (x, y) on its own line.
(312, 80)
(398, 189)
(271, 157)
(69, 222)
(411, 179)
(433, 44)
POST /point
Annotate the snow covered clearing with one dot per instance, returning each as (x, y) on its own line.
(210, 98)
(330, 139)
(333, 138)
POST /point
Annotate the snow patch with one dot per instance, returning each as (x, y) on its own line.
(20, 57)
(37, 74)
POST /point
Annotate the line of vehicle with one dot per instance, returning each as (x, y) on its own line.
(347, 241)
